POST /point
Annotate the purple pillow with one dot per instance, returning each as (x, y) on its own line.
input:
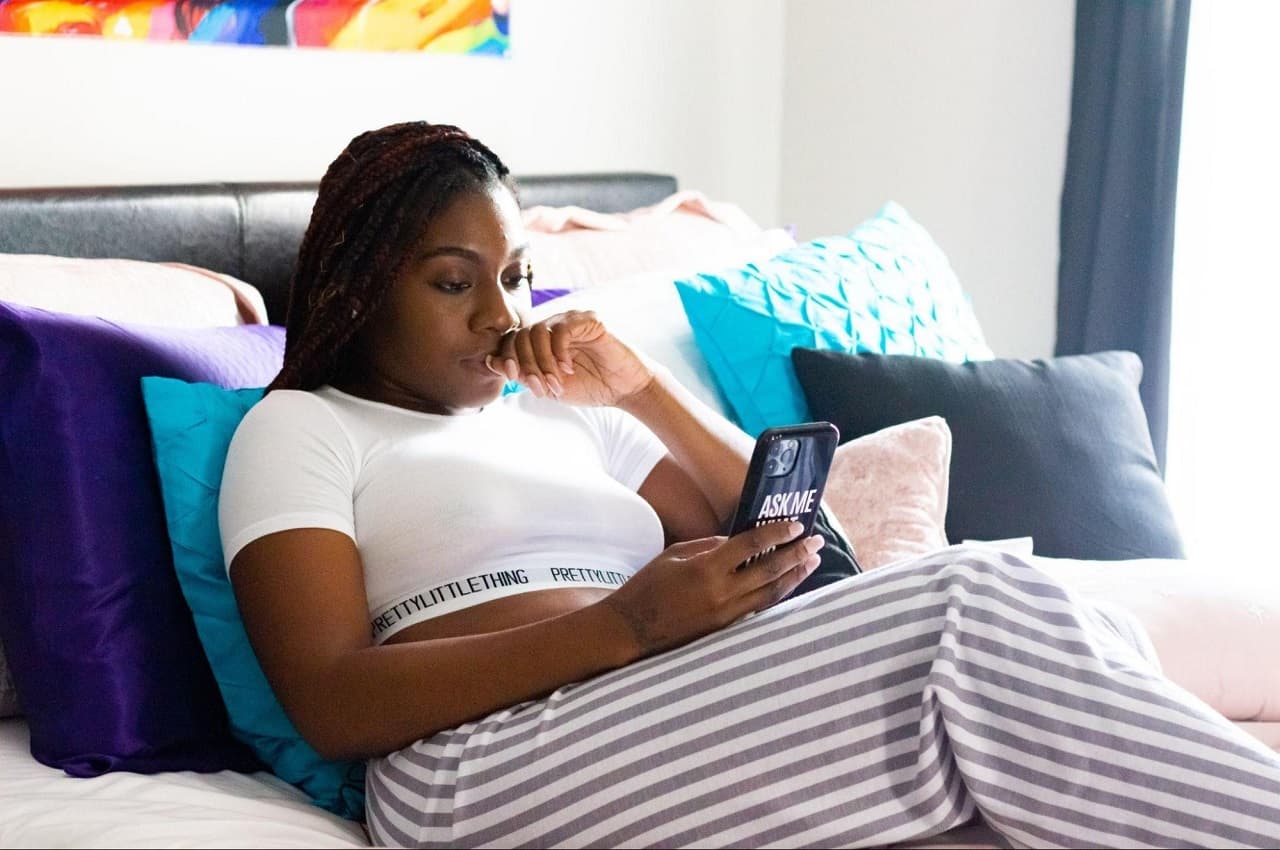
(99, 638)
(541, 295)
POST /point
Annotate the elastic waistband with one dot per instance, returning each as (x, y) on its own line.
(465, 591)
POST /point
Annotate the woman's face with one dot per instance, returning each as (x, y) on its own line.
(465, 286)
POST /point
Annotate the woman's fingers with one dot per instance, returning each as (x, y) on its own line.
(775, 565)
(689, 548)
(504, 362)
(778, 589)
(528, 372)
(560, 351)
(757, 541)
(693, 587)
(541, 354)
(773, 575)
(545, 358)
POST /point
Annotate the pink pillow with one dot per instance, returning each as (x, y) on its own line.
(889, 491)
(170, 294)
(575, 248)
(1214, 628)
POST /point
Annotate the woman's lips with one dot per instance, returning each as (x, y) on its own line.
(477, 363)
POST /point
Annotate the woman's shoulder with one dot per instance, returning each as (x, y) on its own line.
(288, 404)
(290, 412)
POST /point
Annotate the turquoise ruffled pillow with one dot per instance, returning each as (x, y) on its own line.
(885, 287)
(191, 429)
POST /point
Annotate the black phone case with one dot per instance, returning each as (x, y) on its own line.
(795, 495)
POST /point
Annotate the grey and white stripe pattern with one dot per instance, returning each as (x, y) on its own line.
(886, 707)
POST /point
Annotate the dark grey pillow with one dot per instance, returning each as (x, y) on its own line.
(1058, 450)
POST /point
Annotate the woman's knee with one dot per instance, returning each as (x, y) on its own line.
(991, 571)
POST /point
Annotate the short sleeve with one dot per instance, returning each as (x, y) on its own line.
(290, 465)
(630, 450)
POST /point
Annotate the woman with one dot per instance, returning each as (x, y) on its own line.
(519, 609)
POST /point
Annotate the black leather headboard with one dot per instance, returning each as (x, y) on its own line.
(249, 230)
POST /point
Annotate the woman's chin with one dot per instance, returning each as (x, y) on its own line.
(485, 392)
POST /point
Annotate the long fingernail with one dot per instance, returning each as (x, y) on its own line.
(554, 383)
(567, 366)
(512, 370)
(535, 384)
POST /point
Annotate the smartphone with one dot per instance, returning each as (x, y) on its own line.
(786, 477)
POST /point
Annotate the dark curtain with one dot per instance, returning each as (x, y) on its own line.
(1116, 237)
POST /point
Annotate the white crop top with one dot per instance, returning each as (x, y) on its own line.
(448, 511)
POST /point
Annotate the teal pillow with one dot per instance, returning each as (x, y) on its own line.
(885, 287)
(191, 429)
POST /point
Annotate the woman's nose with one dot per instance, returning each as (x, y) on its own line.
(496, 310)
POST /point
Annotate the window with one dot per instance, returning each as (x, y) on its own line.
(1224, 423)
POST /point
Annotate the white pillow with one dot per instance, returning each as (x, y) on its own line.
(645, 311)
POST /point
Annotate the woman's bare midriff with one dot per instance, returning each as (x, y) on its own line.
(505, 613)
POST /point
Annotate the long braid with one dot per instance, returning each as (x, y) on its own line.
(373, 203)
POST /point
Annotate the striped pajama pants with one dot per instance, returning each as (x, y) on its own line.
(885, 707)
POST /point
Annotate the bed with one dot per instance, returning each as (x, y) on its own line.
(1206, 628)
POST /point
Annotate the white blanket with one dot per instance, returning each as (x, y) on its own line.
(1215, 636)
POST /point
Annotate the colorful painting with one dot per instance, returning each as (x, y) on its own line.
(432, 26)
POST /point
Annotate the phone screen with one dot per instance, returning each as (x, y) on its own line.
(786, 477)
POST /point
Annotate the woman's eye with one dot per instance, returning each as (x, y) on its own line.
(453, 285)
(525, 276)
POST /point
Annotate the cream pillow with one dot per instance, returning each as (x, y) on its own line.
(575, 248)
(1214, 626)
(889, 491)
(168, 294)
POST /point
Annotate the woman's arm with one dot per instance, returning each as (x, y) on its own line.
(696, 490)
(711, 452)
(301, 596)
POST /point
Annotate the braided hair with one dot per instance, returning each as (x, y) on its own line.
(374, 202)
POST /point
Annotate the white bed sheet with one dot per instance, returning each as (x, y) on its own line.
(42, 807)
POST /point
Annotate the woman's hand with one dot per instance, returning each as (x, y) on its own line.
(573, 357)
(695, 587)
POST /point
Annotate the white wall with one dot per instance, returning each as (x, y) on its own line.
(811, 112)
(958, 111)
(662, 85)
